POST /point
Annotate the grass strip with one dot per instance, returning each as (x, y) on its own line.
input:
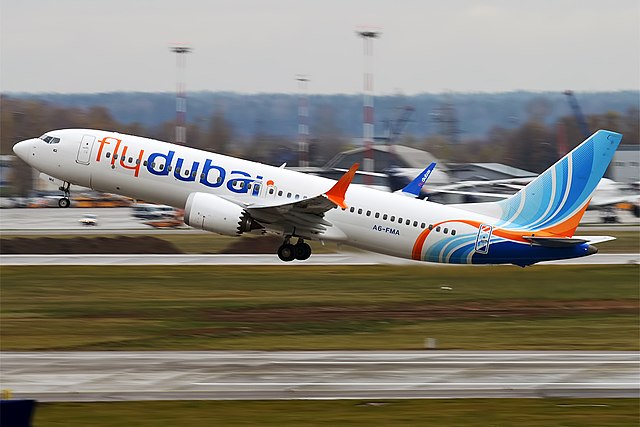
(427, 412)
(310, 307)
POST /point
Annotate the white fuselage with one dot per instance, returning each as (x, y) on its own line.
(165, 173)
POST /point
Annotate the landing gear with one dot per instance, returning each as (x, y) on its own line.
(288, 252)
(303, 250)
(65, 201)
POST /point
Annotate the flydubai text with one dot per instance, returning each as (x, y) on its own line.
(165, 164)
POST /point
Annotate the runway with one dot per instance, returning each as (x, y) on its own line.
(220, 375)
(345, 258)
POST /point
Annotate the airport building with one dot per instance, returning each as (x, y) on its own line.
(625, 166)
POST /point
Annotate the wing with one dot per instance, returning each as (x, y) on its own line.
(307, 215)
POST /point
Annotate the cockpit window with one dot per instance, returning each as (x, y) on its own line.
(49, 139)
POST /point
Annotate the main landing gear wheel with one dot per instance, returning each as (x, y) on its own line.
(302, 250)
(64, 202)
(287, 252)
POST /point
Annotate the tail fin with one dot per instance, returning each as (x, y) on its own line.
(414, 187)
(554, 202)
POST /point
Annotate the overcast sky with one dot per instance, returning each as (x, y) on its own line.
(250, 46)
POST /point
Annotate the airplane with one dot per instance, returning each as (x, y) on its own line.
(232, 196)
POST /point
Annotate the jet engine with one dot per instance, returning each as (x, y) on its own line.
(212, 213)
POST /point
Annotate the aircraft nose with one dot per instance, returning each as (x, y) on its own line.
(23, 149)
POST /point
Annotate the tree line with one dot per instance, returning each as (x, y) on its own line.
(532, 145)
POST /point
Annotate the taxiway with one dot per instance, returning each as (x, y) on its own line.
(109, 376)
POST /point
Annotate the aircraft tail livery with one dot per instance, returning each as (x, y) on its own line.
(231, 196)
(555, 201)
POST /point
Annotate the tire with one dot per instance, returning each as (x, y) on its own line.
(64, 202)
(303, 251)
(287, 252)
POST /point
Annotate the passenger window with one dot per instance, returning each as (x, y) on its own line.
(143, 163)
(193, 174)
(130, 159)
(177, 170)
(187, 173)
(408, 222)
(352, 209)
(280, 193)
(115, 156)
(415, 223)
(384, 217)
(445, 231)
(271, 191)
(201, 175)
(109, 155)
(219, 180)
(241, 185)
(368, 213)
(160, 167)
(453, 232)
(359, 211)
(138, 162)
(377, 215)
(430, 226)
(288, 195)
(153, 164)
(393, 218)
(438, 229)
(423, 225)
(399, 220)
(297, 196)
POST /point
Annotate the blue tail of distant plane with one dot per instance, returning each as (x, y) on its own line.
(414, 187)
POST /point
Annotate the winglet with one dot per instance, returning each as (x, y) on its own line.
(337, 192)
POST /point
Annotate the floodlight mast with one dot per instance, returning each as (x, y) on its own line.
(303, 121)
(181, 94)
(367, 101)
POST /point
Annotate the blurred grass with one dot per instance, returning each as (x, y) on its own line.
(425, 412)
(627, 241)
(311, 307)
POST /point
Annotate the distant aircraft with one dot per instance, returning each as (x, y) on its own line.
(232, 196)
(607, 195)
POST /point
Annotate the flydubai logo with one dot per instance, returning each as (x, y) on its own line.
(165, 164)
(425, 177)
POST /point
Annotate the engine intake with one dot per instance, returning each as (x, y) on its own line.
(213, 213)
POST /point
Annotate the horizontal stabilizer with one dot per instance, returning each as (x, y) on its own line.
(563, 242)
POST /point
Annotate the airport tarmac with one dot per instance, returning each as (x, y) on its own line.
(219, 375)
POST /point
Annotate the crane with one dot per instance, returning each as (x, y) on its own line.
(395, 127)
(577, 112)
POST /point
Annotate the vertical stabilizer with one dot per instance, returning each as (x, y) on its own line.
(554, 202)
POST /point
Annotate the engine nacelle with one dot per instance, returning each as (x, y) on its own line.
(212, 213)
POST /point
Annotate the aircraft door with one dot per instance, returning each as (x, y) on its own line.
(84, 151)
(483, 240)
